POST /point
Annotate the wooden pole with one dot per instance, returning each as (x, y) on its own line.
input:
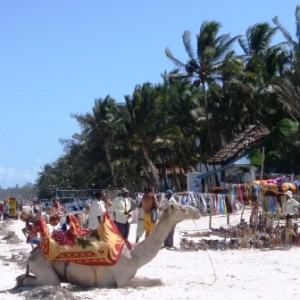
(260, 196)
(262, 165)
(242, 213)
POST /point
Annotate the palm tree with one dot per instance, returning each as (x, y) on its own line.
(264, 62)
(142, 124)
(288, 92)
(287, 87)
(184, 115)
(204, 69)
(258, 41)
(98, 130)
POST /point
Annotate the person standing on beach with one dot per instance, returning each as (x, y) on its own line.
(121, 210)
(96, 210)
(6, 208)
(169, 199)
(140, 223)
(1, 211)
(149, 202)
(290, 208)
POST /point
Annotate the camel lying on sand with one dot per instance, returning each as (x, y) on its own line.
(53, 272)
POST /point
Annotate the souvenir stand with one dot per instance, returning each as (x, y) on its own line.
(267, 195)
(273, 199)
(221, 201)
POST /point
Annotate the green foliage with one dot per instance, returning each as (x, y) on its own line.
(25, 192)
(211, 97)
(273, 161)
(283, 147)
(286, 128)
(255, 157)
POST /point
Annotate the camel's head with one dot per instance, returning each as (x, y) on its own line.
(181, 212)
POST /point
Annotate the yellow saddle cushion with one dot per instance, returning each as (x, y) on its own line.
(85, 250)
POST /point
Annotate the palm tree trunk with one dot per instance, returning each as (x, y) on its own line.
(209, 136)
(110, 164)
(153, 170)
(176, 179)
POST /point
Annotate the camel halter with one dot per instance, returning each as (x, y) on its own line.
(211, 262)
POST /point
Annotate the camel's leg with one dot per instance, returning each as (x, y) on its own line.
(41, 268)
(145, 282)
(122, 280)
(26, 280)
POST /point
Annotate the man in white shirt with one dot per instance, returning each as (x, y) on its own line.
(121, 209)
(290, 207)
(96, 211)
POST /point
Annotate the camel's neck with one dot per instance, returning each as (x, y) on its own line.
(147, 250)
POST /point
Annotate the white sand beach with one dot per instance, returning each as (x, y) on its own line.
(214, 274)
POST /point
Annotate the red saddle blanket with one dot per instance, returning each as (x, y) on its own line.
(81, 249)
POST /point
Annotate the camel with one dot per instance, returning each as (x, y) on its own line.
(121, 274)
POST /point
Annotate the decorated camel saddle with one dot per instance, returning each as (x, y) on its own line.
(75, 245)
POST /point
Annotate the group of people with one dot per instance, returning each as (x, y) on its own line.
(120, 210)
(58, 222)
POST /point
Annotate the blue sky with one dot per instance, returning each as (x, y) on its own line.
(57, 57)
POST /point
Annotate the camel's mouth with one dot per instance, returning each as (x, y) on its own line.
(197, 215)
(194, 212)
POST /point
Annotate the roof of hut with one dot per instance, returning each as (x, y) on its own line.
(247, 140)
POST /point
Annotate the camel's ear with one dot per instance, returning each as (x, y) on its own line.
(183, 208)
(172, 206)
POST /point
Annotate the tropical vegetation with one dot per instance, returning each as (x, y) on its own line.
(165, 130)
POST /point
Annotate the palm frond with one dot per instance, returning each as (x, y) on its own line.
(224, 45)
(289, 95)
(176, 61)
(186, 37)
(285, 33)
(243, 45)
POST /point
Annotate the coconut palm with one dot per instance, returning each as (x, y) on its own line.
(142, 124)
(184, 116)
(287, 87)
(98, 131)
(245, 95)
(204, 68)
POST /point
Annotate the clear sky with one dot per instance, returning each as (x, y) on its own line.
(57, 57)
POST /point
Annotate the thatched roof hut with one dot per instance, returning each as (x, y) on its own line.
(247, 140)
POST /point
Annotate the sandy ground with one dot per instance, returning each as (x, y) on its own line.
(229, 274)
